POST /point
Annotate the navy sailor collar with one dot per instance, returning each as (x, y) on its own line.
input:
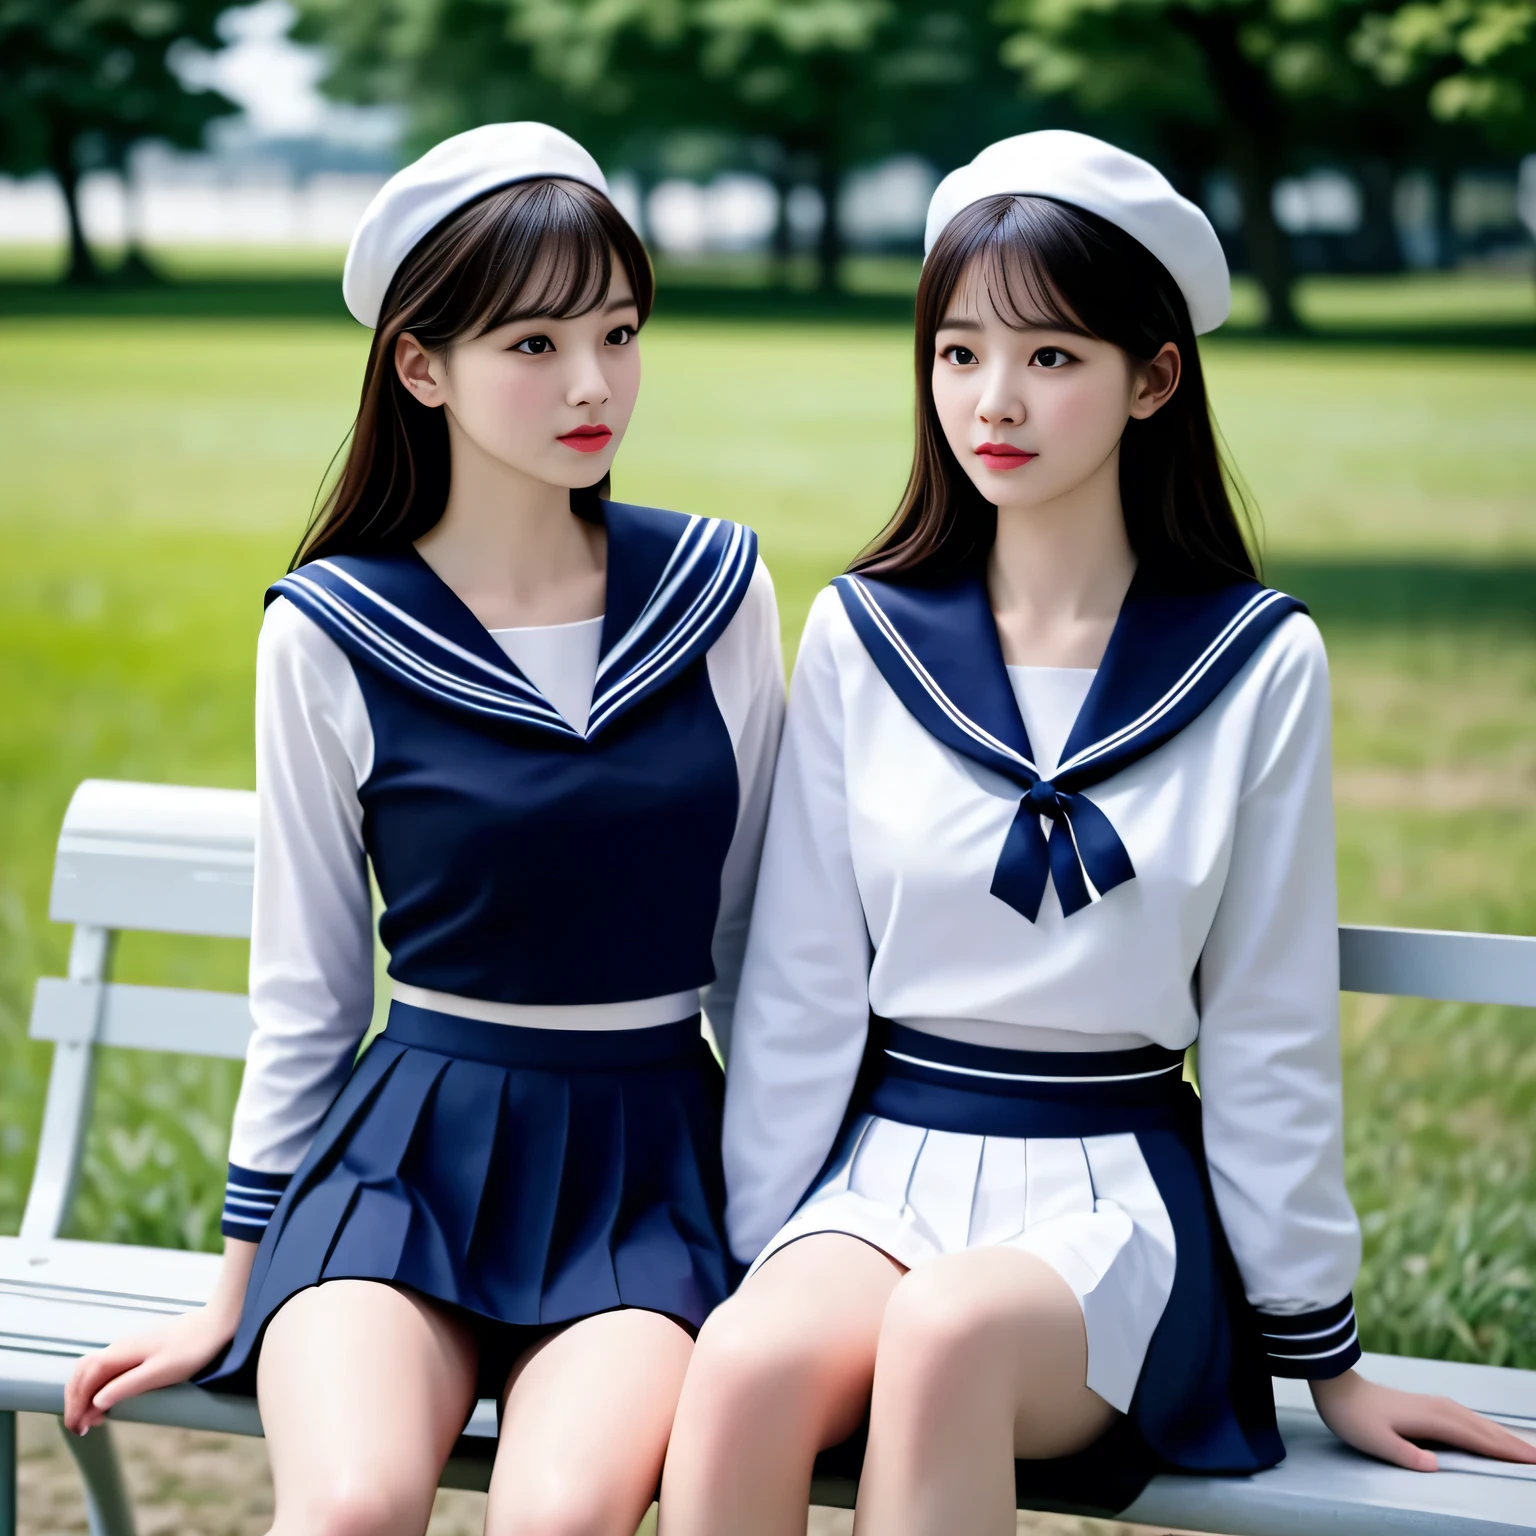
(674, 583)
(1171, 653)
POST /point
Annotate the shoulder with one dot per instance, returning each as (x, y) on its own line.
(635, 526)
(829, 646)
(754, 627)
(829, 632)
(1293, 657)
(293, 651)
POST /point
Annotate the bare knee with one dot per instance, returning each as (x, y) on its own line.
(935, 1336)
(742, 1356)
(573, 1508)
(352, 1505)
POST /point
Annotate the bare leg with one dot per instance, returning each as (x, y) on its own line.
(363, 1390)
(780, 1371)
(584, 1427)
(983, 1357)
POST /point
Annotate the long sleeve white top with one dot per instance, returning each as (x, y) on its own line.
(875, 896)
(311, 969)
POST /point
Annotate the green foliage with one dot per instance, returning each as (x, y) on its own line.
(1479, 55)
(86, 79)
(802, 89)
(146, 509)
(1258, 87)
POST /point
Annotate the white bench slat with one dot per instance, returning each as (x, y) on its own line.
(1450, 967)
(66, 1264)
(164, 858)
(178, 1019)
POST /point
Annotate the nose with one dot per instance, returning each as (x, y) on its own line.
(1000, 404)
(589, 384)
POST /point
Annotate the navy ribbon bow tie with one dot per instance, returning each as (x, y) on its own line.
(1082, 847)
(1170, 655)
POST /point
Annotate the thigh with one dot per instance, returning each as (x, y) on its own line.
(363, 1391)
(808, 1323)
(999, 1328)
(584, 1425)
(781, 1370)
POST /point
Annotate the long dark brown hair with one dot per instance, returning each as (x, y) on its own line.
(536, 248)
(1049, 263)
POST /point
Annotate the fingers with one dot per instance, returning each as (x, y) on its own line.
(158, 1371)
(1455, 1425)
(92, 1372)
(1403, 1453)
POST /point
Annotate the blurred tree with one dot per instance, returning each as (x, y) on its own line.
(81, 81)
(1477, 56)
(1255, 87)
(828, 83)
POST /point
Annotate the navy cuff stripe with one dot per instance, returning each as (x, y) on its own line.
(250, 1198)
(1312, 1346)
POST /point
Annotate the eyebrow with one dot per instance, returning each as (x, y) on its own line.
(961, 325)
(625, 301)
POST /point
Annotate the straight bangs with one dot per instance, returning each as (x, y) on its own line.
(533, 250)
(1013, 264)
(548, 248)
(1051, 265)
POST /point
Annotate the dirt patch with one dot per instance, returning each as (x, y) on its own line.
(189, 1483)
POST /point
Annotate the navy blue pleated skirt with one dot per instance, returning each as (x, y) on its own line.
(1203, 1402)
(524, 1178)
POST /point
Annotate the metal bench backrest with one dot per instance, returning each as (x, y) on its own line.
(157, 858)
(170, 859)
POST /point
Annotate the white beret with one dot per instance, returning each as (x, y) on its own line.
(1076, 168)
(416, 200)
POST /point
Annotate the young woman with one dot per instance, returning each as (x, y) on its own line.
(1053, 803)
(547, 722)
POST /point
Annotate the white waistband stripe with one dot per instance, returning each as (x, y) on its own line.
(639, 1013)
(1030, 1077)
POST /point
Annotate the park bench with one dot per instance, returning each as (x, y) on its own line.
(168, 859)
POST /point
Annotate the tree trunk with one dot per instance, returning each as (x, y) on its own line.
(61, 160)
(829, 242)
(1377, 241)
(782, 245)
(1268, 246)
(1447, 245)
(1255, 130)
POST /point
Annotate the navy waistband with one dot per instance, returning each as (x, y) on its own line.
(558, 1050)
(923, 1079)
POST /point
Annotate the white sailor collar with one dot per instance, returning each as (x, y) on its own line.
(1171, 653)
(674, 583)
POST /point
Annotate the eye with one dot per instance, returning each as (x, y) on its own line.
(961, 357)
(619, 336)
(1052, 357)
(534, 346)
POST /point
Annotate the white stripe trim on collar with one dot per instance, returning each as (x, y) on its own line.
(956, 716)
(1175, 695)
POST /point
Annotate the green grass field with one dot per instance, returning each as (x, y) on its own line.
(158, 472)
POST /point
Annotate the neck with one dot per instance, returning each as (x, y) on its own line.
(509, 546)
(1058, 574)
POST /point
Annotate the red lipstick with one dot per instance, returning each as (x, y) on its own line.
(588, 439)
(1003, 456)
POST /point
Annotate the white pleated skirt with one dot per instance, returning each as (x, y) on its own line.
(1088, 1207)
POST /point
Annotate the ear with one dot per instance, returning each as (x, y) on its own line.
(1154, 382)
(422, 372)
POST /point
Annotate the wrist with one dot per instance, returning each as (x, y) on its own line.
(1328, 1389)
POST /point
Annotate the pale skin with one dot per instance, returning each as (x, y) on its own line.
(363, 1387)
(978, 1357)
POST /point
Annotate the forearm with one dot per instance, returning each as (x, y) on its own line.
(228, 1295)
